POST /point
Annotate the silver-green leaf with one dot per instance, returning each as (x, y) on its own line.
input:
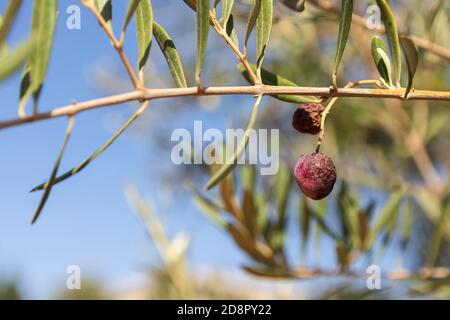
(263, 30)
(11, 61)
(9, 18)
(380, 56)
(344, 28)
(144, 31)
(202, 36)
(43, 26)
(227, 6)
(394, 43)
(254, 13)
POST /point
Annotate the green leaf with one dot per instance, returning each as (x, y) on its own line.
(51, 180)
(202, 36)
(171, 54)
(8, 19)
(282, 187)
(231, 162)
(99, 151)
(296, 5)
(227, 6)
(105, 9)
(43, 26)
(380, 56)
(263, 30)
(412, 60)
(144, 31)
(387, 214)
(437, 237)
(132, 6)
(305, 216)
(254, 13)
(344, 28)
(272, 79)
(394, 43)
(11, 61)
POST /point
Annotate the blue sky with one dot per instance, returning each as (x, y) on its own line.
(87, 221)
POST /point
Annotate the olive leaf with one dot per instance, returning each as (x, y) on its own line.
(263, 30)
(24, 90)
(202, 36)
(8, 19)
(192, 4)
(48, 187)
(11, 61)
(248, 199)
(171, 54)
(380, 56)
(208, 207)
(254, 13)
(231, 31)
(227, 6)
(412, 59)
(132, 6)
(344, 28)
(272, 79)
(98, 152)
(296, 5)
(231, 162)
(105, 9)
(438, 236)
(304, 214)
(386, 215)
(144, 31)
(407, 225)
(43, 27)
(394, 43)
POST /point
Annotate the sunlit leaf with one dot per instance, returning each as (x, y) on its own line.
(412, 59)
(254, 12)
(99, 151)
(11, 61)
(380, 56)
(8, 19)
(202, 36)
(144, 31)
(394, 43)
(51, 180)
(272, 79)
(344, 28)
(43, 27)
(231, 162)
(132, 6)
(263, 30)
(171, 54)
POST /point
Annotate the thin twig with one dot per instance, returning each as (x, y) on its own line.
(362, 22)
(242, 57)
(118, 45)
(150, 94)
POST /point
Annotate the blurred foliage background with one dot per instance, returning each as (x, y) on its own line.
(390, 206)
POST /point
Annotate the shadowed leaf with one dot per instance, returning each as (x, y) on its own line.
(105, 9)
(227, 6)
(412, 60)
(380, 56)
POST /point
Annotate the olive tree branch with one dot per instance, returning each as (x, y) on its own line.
(151, 94)
(117, 45)
(361, 21)
(330, 104)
